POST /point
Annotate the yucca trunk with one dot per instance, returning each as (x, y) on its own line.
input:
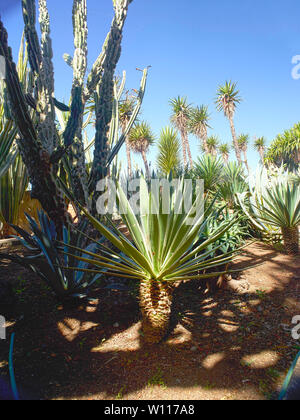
(246, 161)
(262, 155)
(183, 148)
(291, 239)
(128, 158)
(187, 145)
(235, 142)
(155, 305)
(148, 174)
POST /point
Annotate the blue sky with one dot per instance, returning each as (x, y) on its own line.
(193, 46)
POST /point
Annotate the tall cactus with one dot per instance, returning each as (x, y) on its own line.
(40, 143)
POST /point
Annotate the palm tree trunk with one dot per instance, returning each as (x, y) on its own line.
(155, 305)
(291, 239)
(129, 166)
(235, 142)
(146, 164)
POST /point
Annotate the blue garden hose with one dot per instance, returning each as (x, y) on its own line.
(11, 369)
(288, 378)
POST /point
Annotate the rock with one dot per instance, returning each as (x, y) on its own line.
(194, 348)
(116, 325)
(238, 286)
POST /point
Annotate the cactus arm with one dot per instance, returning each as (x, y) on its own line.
(110, 46)
(45, 105)
(36, 159)
(73, 133)
(103, 78)
(34, 50)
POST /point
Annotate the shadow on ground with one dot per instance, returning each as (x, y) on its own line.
(221, 346)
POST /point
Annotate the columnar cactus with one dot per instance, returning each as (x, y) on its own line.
(41, 145)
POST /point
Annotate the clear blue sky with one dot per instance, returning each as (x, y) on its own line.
(193, 46)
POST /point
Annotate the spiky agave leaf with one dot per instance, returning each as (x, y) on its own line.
(165, 249)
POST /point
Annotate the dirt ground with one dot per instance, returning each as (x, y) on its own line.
(229, 345)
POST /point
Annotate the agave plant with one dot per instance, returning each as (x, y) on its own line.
(274, 207)
(47, 258)
(232, 238)
(165, 249)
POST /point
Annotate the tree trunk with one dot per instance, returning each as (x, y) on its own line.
(246, 161)
(183, 149)
(148, 174)
(128, 158)
(262, 155)
(187, 145)
(204, 139)
(155, 305)
(225, 158)
(291, 239)
(235, 142)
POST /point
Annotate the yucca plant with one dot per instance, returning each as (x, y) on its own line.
(140, 139)
(169, 156)
(224, 149)
(198, 124)
(210, 169)
(180, 118)
(165, 249)
(47, 257)
(227, 100)
(233, 182)
(274, 207)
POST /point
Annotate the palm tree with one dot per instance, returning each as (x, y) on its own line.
(260, 146)
(198, 124)
(224, 149)
(180, 119)
(140, 139)
(227, 100)
(169, 158)
(212, 145)
(243, 141)
(126, 108)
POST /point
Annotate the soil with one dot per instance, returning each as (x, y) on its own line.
(233, 344)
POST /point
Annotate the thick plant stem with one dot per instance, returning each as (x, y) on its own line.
(148, 174)
(155, 305)
(235, 142)
(183, 148)
(187, 145)
(129, 166)
(291, 239)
